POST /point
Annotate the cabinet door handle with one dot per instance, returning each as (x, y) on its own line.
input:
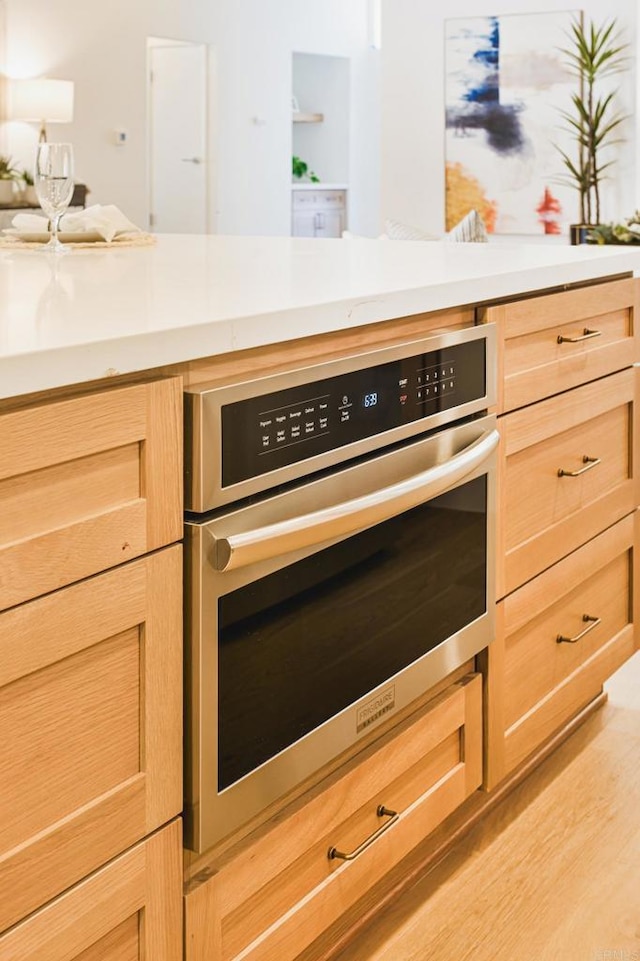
(589, 462)
(382, 812)
(593, 623)
(585, 335)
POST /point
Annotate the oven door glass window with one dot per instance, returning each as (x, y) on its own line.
(303, 643)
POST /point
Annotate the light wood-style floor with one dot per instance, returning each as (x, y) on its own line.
(552, 874)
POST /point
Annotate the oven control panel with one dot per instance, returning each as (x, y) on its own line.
(273, 430)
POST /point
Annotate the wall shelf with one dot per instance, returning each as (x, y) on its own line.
(300, 116)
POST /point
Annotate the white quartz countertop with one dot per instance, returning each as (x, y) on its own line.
(97, 312)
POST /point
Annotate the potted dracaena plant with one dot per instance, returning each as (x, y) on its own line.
(593, 56)
(28, 192)
(8, 177)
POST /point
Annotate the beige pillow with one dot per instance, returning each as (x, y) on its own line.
(470, 229)
(396, 230)
(348, 235)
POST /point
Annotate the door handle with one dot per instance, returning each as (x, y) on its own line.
(339, 520)
(382, 812)
(592, 623)
(585, 335)
(192, 160)
(589, 462)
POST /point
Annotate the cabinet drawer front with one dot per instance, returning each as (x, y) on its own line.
(547, 512)
(128, 910)
(90, 723)
(319, 198)
(558, 341)
(279, 893)
(547, 681)
(87, 483)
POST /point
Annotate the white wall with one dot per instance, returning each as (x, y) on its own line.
(3, 57)
(102, 47)
(413, 104)
(254, 46)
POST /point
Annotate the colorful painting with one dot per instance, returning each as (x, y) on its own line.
(505, 87)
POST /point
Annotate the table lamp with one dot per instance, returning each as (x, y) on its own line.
(42, 100)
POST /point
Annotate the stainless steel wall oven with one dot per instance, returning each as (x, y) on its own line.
(339, 559)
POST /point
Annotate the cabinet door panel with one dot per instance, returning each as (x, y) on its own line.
(330, 223)
(545, 515)
(278, 892)
(90, 722)
(535, 364)
(304, 223)
(320, 213)
(540, 682)
(86, 484)
(128, 910)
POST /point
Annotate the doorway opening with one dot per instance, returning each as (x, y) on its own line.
(178, 154)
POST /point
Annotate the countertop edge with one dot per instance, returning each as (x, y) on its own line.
(32, 371)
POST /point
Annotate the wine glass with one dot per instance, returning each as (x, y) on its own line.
(53, 181)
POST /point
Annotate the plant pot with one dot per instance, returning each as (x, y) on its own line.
(30, 196)
(579, 233)
(6, 191)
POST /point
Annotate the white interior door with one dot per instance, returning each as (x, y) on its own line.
(178, 137)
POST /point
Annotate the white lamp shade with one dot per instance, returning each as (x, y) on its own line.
(42, 100)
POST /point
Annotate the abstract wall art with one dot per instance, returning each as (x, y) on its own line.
(506, 84)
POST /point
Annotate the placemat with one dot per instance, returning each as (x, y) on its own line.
(124, 240)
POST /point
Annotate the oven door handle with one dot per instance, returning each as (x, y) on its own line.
(339, 520)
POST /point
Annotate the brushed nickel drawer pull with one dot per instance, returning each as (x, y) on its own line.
(382, 812)
(589, 462)
(593, 623)
(586, 335)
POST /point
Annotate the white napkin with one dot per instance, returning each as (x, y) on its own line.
(105, 220)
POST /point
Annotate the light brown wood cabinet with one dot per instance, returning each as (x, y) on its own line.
(568, 472)
(90, 657)
(568, 496)
(567, 579)
(128, 910)
(87, 483)
(562, 635)
(91, 673)
(556, 341)
(274, 893)
(90, 708)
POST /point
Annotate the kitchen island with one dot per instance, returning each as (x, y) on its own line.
(95, 347)
(100, 313)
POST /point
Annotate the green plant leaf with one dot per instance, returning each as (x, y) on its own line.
(592, 51)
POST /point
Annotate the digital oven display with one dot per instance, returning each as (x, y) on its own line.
(262, 434)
